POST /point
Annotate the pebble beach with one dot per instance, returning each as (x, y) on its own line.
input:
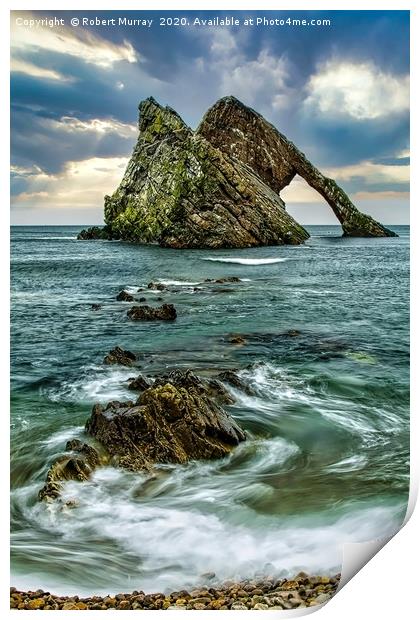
(268, 593)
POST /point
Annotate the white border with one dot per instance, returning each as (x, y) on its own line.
(387, 586)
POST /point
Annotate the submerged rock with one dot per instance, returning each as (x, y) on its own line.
(156, 286)
(173, 421)
(166, 312)
(124, 296)
(218, 186)
(232, 378)
(120, 356)
(237, 339)
(69, 467)
(223, 280)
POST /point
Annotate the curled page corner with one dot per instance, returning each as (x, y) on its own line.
(357, 554)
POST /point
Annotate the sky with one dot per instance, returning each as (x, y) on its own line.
(340, 92)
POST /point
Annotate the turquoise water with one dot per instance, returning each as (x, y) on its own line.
(326, 461)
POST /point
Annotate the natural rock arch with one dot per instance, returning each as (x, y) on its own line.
(217, 186)
(234, 128)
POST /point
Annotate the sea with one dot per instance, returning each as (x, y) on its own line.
(325, 352)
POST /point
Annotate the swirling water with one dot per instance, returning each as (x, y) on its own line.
(326, 461)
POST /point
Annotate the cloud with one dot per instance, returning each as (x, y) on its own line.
(80, 184)
(99, 126)
(28, 68)
(360, 91)
(53, 142)
(371, 172)
(261, 79)
(342, 99)
(79, 43)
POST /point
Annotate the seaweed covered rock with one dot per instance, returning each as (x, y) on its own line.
(173, 421)
(180, 191)
(166, 312)
(210, 387)
(78, 467)
(218, 186)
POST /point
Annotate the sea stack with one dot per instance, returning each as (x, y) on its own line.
(218, 186)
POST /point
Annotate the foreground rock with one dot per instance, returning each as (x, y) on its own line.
(120, 356)
(258, 594)
(174, 421)
(77, 467)
(166, 312)
(218, 186)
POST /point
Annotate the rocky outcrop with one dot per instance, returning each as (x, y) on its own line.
(180, 191)
(77, 467)
(218, 186)
(166, 312)
(120, 356)
(124, 296)
(173, 421)
(156, 286)
(138, 384)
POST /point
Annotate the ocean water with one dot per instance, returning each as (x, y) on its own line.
(327, 456)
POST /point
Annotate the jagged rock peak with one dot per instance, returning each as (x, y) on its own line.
(162, 119)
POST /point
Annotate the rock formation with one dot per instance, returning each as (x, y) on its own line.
(138, 384)
(120, 356)
(173, 421)
(124, 296)
(165, 312)
(176, 419)
(69, 467)
(218, 186)
(239, 131)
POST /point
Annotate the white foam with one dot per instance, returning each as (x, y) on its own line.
(96, 384)
(178, 283)
(274, 386)
(246, 261)
(351, 463)
(191, 529)
(60, 437)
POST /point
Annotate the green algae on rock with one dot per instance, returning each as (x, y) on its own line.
(218, 186)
